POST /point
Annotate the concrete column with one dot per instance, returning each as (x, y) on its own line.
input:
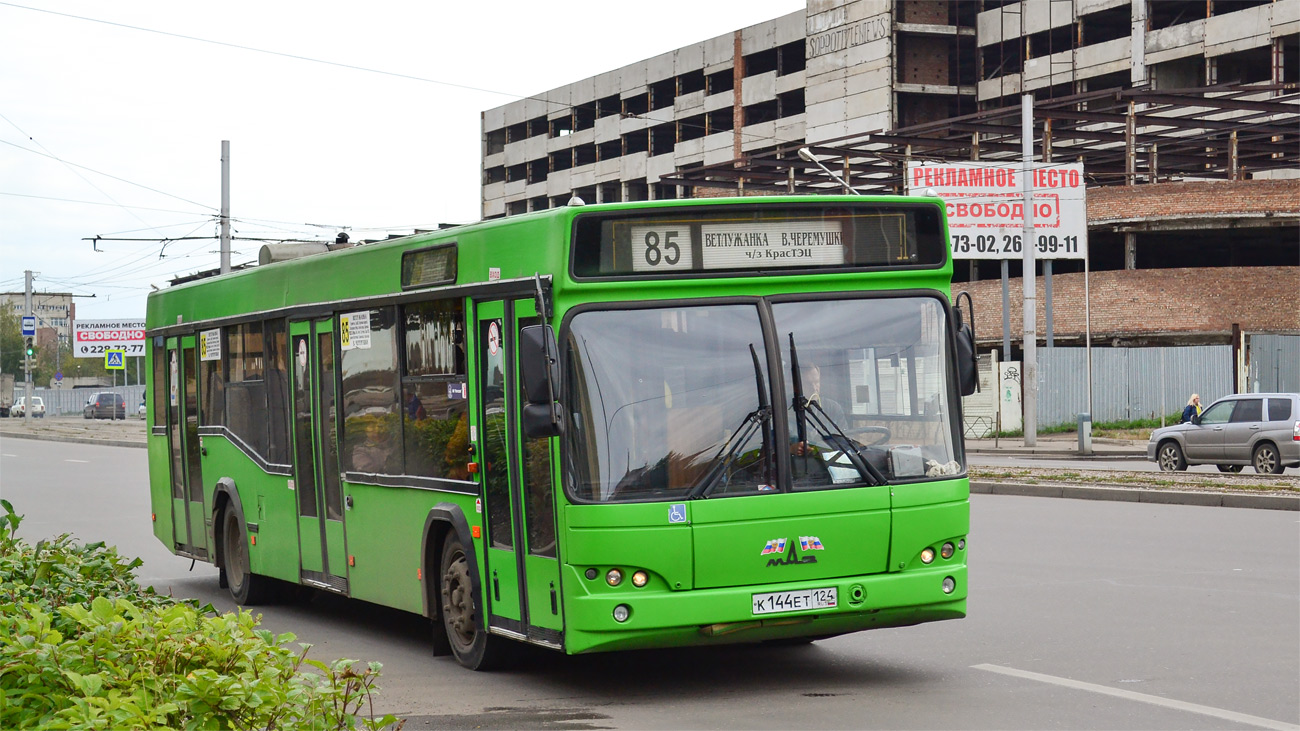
(1130, 251)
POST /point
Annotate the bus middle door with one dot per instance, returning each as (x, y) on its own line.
(189, 529)
(315, 456)
(521, 575)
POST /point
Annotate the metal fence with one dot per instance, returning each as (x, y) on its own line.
(1274, 363)
(1129, 383)
(71, 401)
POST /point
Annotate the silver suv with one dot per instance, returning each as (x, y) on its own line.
(1257, 429)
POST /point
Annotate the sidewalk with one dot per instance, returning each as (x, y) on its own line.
(108, 432)
(1061, 446)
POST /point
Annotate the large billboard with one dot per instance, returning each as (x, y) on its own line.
(92, 338)
(985, 207)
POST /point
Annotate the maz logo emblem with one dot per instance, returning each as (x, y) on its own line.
(785, 546)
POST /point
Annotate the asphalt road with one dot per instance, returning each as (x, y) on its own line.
(1083, 614)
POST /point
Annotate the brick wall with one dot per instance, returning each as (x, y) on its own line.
(1171, 200)
(1189, 305)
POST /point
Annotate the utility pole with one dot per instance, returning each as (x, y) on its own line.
(27, 361)
(225, 206)
(1030, 382)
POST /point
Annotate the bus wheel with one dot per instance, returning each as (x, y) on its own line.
(467, 634)
(246, 587)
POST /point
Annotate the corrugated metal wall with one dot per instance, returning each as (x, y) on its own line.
(1274, 363)
(70, 402)
(1129, 383)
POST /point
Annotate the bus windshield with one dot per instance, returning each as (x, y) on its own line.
(670, 403)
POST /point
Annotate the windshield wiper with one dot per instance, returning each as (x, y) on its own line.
(831, 431)
(759, 418)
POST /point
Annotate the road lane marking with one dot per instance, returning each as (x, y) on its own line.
(79, 461)
(1142, 698)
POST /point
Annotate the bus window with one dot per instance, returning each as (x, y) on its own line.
(245, 389)
(277, 392)
(434, 403)
(371, 426)
(653, 426)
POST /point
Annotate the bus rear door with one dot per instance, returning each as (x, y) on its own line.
(521, 570)
(315, 456)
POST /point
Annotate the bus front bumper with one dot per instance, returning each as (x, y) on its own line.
(666, 618)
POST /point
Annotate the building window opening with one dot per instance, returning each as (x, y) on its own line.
(609, 106)
(1107, 25)
(638, 141)
(609, 150)
(636, 105)
(496, 142)
(690, 82)
(537, 127)
(538, 203)
(562, 126)
(721, 120)
(692, 127)
(495, 174)
(584, 116)
(637, 190)
(1247, 67)
(761, 112)
(721, 81)
(662, 139)
(610, 193)
(761, 62)
(790, 58)
(538, 170)
(661, 93)
(584, 155)
(790, 103)
(561, 160)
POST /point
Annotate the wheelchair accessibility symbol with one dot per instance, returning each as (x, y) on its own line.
(677, 513)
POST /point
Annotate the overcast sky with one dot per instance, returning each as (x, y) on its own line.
(115, 131)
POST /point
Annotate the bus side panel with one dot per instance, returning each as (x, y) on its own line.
(160, 490)
(268, 504)
(385, 532)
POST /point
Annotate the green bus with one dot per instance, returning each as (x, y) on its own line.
(591, 428)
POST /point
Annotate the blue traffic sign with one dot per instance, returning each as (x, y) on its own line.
(29, 326)
(115, 359)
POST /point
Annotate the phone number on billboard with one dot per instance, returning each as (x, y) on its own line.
(136, 349)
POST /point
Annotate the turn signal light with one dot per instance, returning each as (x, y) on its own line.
(927, 555)
(640, 578)
(946, 550)
(614, 577)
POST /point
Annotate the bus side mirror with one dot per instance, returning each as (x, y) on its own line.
(968, 377)
(539, 366)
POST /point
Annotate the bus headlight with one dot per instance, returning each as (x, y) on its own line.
(927, 555)
(622, 612)
(640, 579)
(614, 577)
(946, 550)
(949, 584)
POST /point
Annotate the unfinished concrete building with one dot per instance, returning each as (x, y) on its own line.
(1125, 86)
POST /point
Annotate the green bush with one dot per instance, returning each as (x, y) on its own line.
(82, 646)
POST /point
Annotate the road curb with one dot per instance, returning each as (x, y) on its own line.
(1139, 495)
(73, 440)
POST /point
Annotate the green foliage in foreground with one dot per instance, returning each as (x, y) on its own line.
(82, 646)
(1100, 428)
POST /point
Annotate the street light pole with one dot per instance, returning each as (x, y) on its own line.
(1030, 383)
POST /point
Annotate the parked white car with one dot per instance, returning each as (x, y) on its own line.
(20, 407)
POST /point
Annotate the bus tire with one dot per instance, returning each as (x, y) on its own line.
(246, 587)
(462, 622)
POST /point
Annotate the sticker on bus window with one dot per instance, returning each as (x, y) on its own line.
(494, 274)
(494, 338)
(210, 345)
(354, 331)
(455, 391)
(175, 381)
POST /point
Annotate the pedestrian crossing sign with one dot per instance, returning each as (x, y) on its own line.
(115, 359)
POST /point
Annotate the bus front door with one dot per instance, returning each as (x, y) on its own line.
(188, 526)
(315, 456)
(521, 570)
